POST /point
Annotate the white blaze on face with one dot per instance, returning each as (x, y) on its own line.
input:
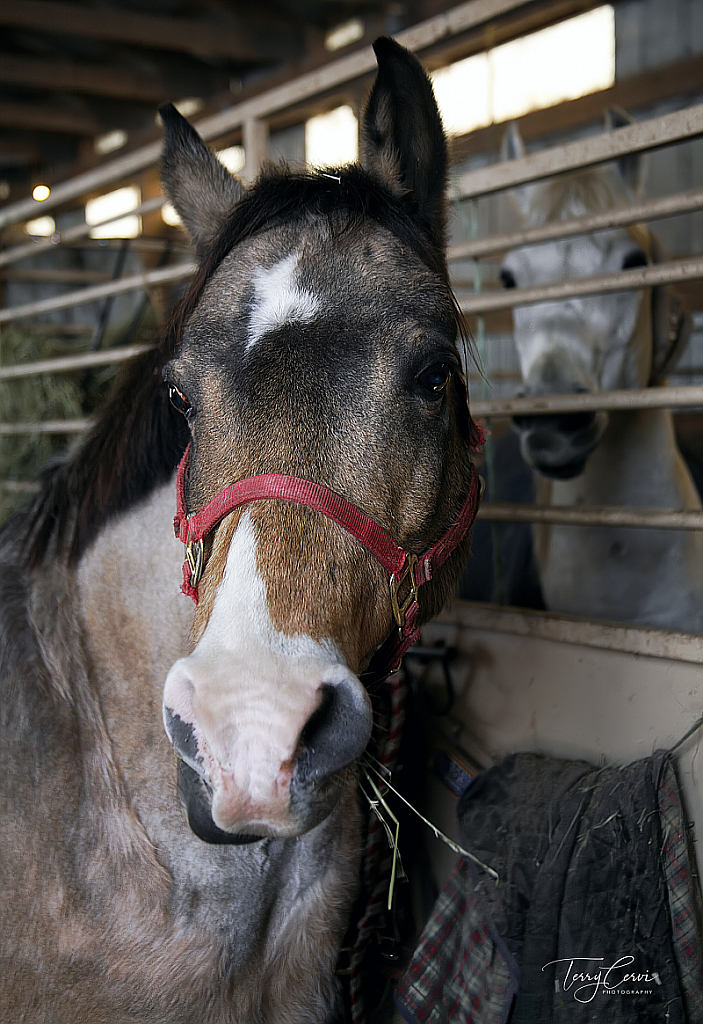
(278, 299)
(247, 691)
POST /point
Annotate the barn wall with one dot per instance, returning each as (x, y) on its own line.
(568, 700)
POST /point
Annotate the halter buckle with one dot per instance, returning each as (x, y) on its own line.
(195, 558)
(396, 582)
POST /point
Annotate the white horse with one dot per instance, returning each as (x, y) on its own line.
(604, 342)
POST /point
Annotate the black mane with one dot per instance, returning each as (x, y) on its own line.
(138, 439)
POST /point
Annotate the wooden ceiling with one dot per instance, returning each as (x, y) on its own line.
(72, 72)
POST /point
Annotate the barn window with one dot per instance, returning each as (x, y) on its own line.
(112, 204)
(344, 35)
(41, 226)
(332, 139)
(110, 142)
(233, 158)
(562, 62)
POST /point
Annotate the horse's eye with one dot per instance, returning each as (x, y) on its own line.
(508, 278)
(179, 401)
(435, 378)
(634, 258)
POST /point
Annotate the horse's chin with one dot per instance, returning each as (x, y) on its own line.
(194, 796)
(311, 804)
(558, 456)
(563, 471)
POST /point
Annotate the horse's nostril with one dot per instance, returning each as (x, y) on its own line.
(337, 732)
(575, 422)
(563, 423)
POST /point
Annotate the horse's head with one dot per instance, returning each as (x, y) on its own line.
(318, 342)
(589, 344)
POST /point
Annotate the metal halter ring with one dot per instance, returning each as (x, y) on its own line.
(396, 581)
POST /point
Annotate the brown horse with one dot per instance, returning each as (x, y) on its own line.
(315, 375)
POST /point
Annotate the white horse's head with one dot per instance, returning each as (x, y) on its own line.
(590, 344)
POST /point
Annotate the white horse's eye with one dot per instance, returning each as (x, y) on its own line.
(508, 278)
(634, 258)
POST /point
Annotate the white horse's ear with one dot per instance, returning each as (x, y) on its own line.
(402, 138)
(631, 167)
(201, 189)
(513, 148)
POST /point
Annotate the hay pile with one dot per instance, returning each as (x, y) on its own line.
(45, 396)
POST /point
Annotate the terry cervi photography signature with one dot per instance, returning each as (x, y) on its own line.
(586, 976)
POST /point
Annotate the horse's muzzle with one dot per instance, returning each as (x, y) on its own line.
(239, 782)
(558, 446)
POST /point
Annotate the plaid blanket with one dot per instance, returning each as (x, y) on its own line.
(596, 913)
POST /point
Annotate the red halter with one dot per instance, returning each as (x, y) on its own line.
(402, 567)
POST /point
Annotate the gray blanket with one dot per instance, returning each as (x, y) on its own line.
(596, 914)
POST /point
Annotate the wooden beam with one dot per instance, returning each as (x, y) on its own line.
(46, 118)
(92, 79)
(235, 38)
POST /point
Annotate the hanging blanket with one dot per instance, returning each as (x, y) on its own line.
(595, 916)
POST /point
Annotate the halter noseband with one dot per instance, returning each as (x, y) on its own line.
(406, 571)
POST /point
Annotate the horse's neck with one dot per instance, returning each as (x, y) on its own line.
(651, 577)
(136, 625)
(135, 616)
(637, 462)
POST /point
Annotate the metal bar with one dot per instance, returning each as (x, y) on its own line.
(256, 147)
(346, 69)
(44, 427)
(653, 134)
(650, 518)
(625, 280)
(645, 398)
(666, 206)
(569, 629)
(40, 245)
(687, 397)
(62, 364)
(47, 275)
(166, 275)
(19, 486)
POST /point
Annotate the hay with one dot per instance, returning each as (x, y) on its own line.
(46, 396)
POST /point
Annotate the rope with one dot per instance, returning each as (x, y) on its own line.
(377, 858)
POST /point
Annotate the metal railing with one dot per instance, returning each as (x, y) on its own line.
(672, 128)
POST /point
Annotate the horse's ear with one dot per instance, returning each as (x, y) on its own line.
(513, 148)
(511, 145)
(402, 138)
(630, 167)
(201, 189)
